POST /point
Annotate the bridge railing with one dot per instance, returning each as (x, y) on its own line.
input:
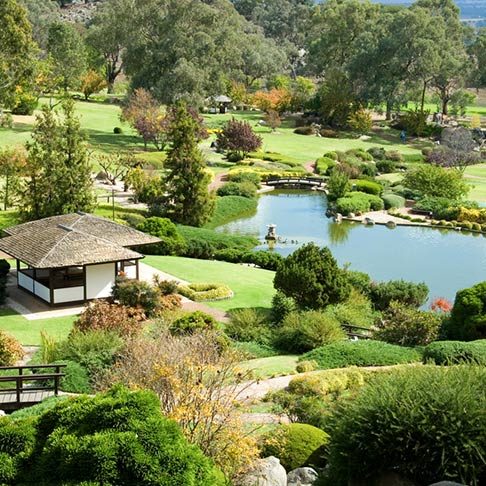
(275, 179)
(34, 374)
(356, 331)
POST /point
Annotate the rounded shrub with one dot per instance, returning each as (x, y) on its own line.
(303, 331)
(75, 379)
(10, 350)
(281, 306)
(393, 201)
(248, 325)
(386, 166)
(361, 353)
(172, 243)
(422, 423)
(308, 130)
(454, 352)
(193, 322)
(377, 153)
(331, 155)
(243, 189)
(358, 202)
(296, 445)
(369, 187)
(117, 130)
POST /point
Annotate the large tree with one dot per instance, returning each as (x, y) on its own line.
(184, 196)
(67, 50)
(189, 49)
(41, 15)
(477, 50)
(109, 34)
(58, 170)
(312, 278)
(17, 51)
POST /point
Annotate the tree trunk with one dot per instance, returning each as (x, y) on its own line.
(388, 110)
(111, 87)
(422, 102)
(445, 105)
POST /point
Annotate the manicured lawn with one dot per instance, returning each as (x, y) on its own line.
(253, 287)
(476, 176)
(273, 366)
(28, 332)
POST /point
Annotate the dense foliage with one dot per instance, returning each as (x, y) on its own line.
(172, 243)
(312, 278)
(456, 352)
(436, 414)
(10, 350)
(114, 438)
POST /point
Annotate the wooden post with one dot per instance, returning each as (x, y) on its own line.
(51, 287)
(17, 388)
(56, 381)
(85, 294)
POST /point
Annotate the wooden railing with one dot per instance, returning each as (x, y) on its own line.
(31, 374)
(313, 181)
(356, 331)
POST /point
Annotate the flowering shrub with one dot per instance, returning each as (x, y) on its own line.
(200, 292)
(10, 350)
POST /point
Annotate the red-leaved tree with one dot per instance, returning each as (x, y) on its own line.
(238, 137)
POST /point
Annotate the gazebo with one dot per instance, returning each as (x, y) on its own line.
(222, 102)
(73, 258)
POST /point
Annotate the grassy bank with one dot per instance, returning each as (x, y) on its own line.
(253, 287)
(229, 208)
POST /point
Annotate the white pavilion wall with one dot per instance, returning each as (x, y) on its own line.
(99, 280)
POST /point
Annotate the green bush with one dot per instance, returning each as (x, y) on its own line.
(263, 259)
(281, 306)
(193, 322)
(243, 189)
(93, 350)
(361, 281)
(368, 169)
(324, 164)
(253, 350)
(172, 243)
(386, 166)
(407, 326)
(296, 445)
(361, 353)
(242, 176)
(204, 292)
(331, 155)
(393, 201)
(137, 293)
(377, 153)
(422, 423)
(468, 316)
(356, 311)
(302, 331)
(369, 187)
(455, 352)
(394, 156)
(360, 154)
(358, 202)
(304, 130)
(75, 379)
(118, 437)
(248, 325)
(408, 293)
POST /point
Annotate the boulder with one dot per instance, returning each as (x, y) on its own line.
(303, 476)
(265, 472)
(2, 413)
(447, 483)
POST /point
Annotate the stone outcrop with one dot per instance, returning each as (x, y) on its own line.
(265, 472)
(303, 476)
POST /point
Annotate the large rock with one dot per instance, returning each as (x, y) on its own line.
(265, 472)
(303, 476)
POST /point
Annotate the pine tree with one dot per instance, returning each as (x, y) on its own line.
(185, 197)
(58, 170)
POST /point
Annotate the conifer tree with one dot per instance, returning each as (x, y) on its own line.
(58, 169)
(185, 197)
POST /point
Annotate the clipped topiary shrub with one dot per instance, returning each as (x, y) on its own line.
(204, 292)
(393, 201)
(454, 352)
(361, 353)
(358, 202)
(418, 422)
(369, 187)
(296, 445)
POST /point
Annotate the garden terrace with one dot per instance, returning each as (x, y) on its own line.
(73, 258)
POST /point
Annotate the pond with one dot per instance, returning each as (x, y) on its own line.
(446, 261)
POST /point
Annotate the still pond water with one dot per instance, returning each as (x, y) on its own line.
(445, 260)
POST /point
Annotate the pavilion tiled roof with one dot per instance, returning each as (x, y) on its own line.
(72, 240)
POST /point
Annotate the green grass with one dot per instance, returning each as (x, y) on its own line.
(253, 287)
(28, 332)
(476, 177)
(273, 366)
(229, 208)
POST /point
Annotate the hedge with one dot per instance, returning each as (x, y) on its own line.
(358, 202)
(204, 292)
(393, 201)
(361, 353)
(454, 352)
(368, 187)
(263, 259)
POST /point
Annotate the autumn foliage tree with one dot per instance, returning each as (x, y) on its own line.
(144, 114)
(238, 137)
(277, 99)
(92, 82)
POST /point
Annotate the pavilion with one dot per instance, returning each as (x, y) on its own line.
(73, 258)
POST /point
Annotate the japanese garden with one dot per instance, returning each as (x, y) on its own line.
(243, 243)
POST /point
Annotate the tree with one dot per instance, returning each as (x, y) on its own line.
(109, 35)
(468, 315)
(337, 185)
(477, 50)
(184, 195)
(12, 165)
(277, 99)
(91, 83)
(143, 112)
(58, 170)
(68, 53)
(17, 52)
(432, 180)
(117, 165)
(237, 137)
(312, 278)
(41, 15)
